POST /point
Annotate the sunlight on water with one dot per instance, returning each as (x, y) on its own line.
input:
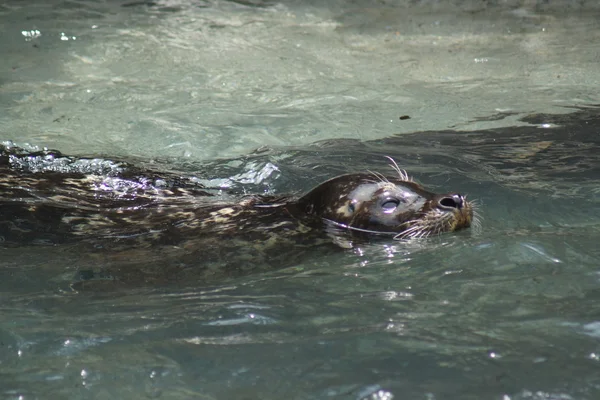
(222, 79)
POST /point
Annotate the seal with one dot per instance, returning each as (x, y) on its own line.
(133, 215)
(386, 206)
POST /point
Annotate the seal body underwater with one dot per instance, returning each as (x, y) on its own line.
(124, 218)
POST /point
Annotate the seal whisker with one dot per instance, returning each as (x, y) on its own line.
(475, 202)
(432, 223)
(379, 176)
(406, 232)
(412, 232)
(402, 173)
(476, 223)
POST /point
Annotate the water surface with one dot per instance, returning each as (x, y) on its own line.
(510, 312)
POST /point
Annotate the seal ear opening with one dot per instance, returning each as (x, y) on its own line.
(309, 208)
(312, 202)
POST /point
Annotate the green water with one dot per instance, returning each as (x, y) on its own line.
(507, 313)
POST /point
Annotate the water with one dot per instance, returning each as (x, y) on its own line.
(509, 313)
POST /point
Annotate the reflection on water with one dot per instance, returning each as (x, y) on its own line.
(509, 312)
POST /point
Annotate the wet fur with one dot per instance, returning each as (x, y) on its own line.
(118, 215)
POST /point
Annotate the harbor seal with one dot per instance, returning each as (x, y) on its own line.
(132, 215)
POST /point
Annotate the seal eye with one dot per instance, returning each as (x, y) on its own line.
(390, 205)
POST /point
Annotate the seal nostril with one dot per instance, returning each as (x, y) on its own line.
(454, 201)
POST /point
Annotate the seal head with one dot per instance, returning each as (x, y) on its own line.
(389, 206)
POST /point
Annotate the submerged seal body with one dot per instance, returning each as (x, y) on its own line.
(120, 215)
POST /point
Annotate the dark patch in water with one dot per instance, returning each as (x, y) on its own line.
(139, 4)
(252, 3)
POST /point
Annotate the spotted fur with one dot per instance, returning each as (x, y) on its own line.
(121, 214)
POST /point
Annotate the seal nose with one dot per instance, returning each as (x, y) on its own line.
(452, 201)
